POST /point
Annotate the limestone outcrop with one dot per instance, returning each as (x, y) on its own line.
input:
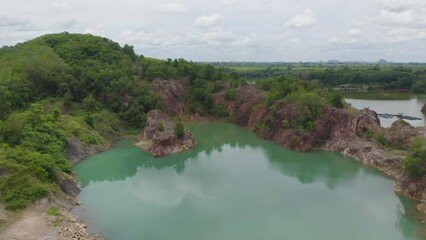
(338, 130)
(172, 93)
(159, 136)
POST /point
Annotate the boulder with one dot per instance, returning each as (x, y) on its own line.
(423, 110)
(401, 134)
(67, 184)
(159, 137)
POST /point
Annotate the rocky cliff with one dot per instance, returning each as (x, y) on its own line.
(172, 93)
(339, 130)
(159, 136)
(354, 133)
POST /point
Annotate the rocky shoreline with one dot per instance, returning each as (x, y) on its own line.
(338, 130)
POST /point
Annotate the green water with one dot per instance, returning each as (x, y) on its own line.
(235, 186)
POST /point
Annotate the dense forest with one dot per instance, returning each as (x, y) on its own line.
(379, 76)
(60, 86)
(63, 86)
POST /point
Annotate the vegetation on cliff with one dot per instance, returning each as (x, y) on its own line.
(61, 87)
(416, 162)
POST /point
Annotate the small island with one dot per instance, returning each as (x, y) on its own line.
(164, 136)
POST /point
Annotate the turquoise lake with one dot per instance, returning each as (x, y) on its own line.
(234, 185)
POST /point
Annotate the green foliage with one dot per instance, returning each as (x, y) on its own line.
(285, 124)
(311, 106)
(89, 104)
(415, 164)
(368, 134)
(336, 100)
(53, 211)
(179, 129)
(201, 96)
(160, 127)
(220, 111)
(231, 94)
(89, 120)
(382, 140)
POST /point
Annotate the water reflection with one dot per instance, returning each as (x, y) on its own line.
(236, 186)
(116, 164)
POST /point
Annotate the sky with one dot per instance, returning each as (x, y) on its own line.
(233, 30)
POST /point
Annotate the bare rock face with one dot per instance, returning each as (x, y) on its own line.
(423, 110)
(413, 187)
(162, 141)
(401, 134)
(67, 184)
(77, 151)
(248, 96)
(172, 92)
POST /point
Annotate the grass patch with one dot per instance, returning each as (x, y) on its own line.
(53, 211)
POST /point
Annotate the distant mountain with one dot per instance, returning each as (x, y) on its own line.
(382, 61)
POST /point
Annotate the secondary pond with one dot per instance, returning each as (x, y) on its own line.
(234, 185)
(392, 103)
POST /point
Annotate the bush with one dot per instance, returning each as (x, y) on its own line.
(53, 211)
(368, 134)
(382, 140)
(160, 127)
(89, 120)
(231, 94)
(336, 100)
(179, 129)
(285, 124)
(414, 166)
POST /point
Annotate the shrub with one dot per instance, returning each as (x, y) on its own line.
(336, 100)
(231, 94)
(414, 166)
(89, 120)
(285, 123)
(160, 127)
(368, 134)
(179, 129)
(382, 140)
(53, 211)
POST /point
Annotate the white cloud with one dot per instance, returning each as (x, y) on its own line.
(99, 31)
(399, 35)
(226, 3)
(172, 8)
(150, 39)
(400, 6)
(170, 28)
(258, 7)
(400, 18)
(205, 21)
(303, 20)
(354, 32)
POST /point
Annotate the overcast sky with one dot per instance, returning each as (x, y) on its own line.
(233, 30)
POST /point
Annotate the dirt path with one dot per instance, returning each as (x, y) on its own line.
(31, 224)
(34, 223)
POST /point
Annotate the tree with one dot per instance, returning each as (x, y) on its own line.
(179, 129)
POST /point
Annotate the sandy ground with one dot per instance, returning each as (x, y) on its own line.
(34, 223)
(31, 224)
